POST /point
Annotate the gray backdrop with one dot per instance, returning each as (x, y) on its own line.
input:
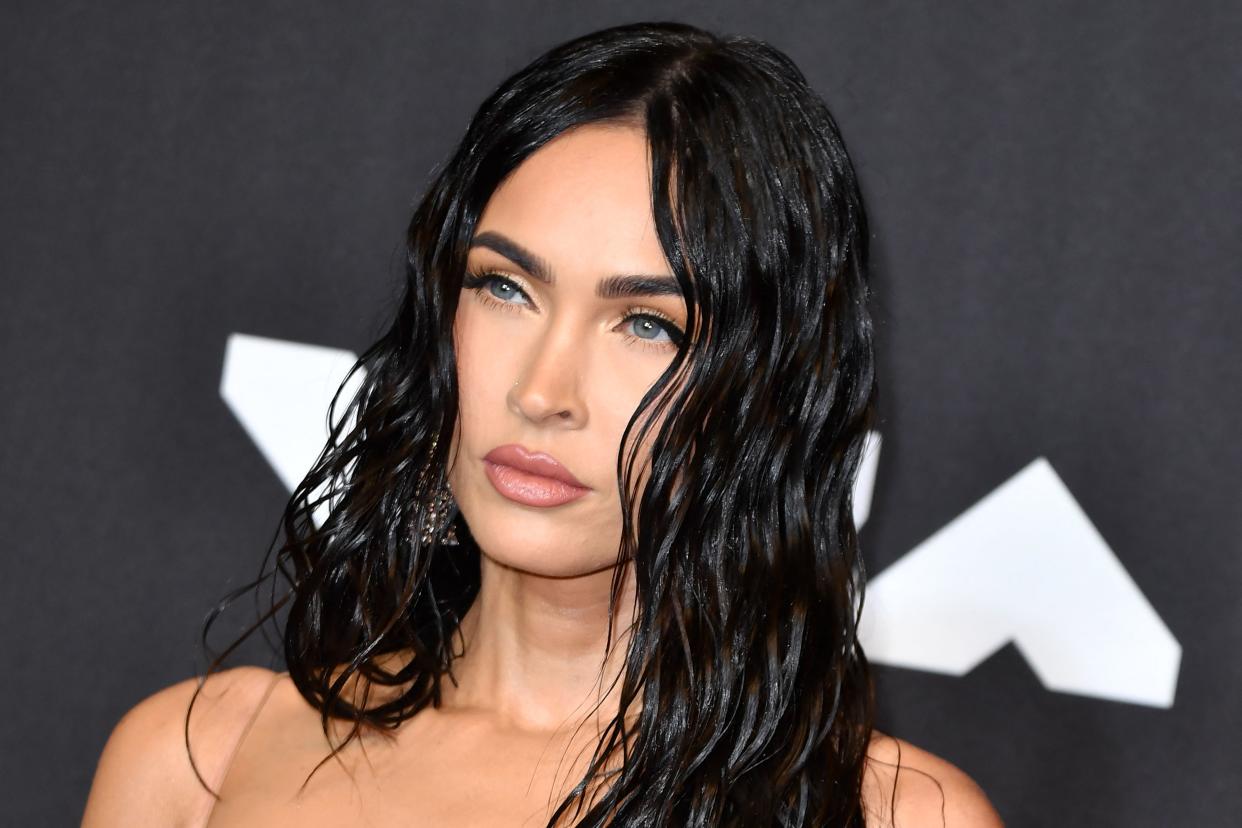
(1055, 192)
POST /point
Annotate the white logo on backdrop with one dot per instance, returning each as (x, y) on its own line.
(279, 391)
(1023, 565)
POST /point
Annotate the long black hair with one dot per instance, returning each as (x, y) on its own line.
(746, 698)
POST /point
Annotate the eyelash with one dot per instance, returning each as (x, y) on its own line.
(479, 281)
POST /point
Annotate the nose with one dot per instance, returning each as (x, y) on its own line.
(548, 388)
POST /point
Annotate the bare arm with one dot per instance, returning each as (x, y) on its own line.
(144, 776)
(924, 791)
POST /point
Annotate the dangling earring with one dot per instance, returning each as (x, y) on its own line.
(439, 506)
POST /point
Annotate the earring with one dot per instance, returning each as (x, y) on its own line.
(440, 507)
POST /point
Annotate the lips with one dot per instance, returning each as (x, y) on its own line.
(536, 463)
(531, 478)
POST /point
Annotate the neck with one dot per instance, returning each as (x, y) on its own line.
(534, 653)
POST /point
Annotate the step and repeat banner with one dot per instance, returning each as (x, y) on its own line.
(203, 210)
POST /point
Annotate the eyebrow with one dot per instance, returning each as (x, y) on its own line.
(614, 287)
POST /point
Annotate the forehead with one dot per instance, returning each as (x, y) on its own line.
(582, 201)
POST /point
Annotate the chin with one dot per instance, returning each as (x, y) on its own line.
(549, 563)
(551, 553)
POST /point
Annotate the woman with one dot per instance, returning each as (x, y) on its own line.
(590, 557)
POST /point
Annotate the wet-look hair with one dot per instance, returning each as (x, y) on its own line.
(745, 697)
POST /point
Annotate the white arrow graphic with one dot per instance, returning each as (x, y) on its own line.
(864, 482)
(279, 391)
(1026, 565)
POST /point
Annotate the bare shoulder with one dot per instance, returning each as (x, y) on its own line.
(144, 775)
(907, 787)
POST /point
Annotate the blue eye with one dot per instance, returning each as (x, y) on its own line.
(645, 325)
(648, 323)
(502, 288)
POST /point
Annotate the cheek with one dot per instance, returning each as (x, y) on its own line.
(481, 368)
(617, 400)
(649, 425)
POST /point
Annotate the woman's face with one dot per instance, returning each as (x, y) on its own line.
(558, 335)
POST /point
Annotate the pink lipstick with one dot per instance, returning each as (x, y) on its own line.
(531, 478)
